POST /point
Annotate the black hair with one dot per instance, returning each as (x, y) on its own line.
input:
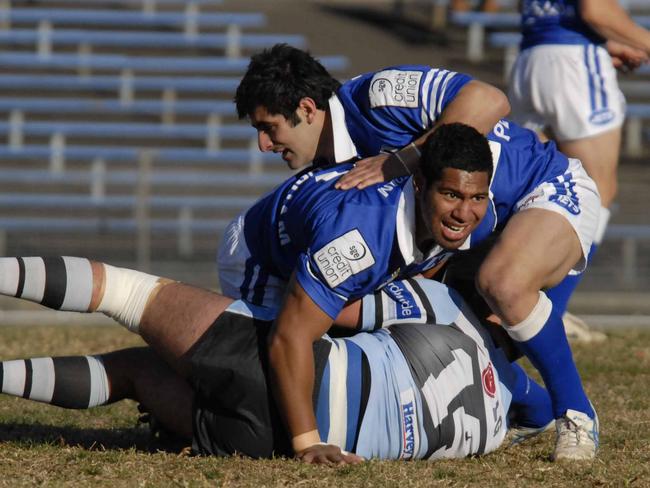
(457, 146)
(278, 78)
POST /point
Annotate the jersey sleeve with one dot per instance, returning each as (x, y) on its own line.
(412, 97)
(349, 255)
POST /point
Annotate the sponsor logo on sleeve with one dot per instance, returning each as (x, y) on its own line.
(410, 438)
(405, 305)
(489, 385)
(395, 88)
(343, 257)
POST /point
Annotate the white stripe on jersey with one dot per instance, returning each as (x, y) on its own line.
(338, 395)
(426, 87)
(433, 103)
(442, 92)
(405, 225)
(439, 392)
(495, 149)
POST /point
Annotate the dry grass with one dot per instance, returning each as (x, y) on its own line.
(43, 445)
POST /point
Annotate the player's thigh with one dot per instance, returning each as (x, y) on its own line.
(142, 375)
(599, 155)
(176, 317)
(536, 249)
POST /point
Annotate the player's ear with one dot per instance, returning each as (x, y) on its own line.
(309, 109)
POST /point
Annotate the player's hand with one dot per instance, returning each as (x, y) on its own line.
(369, 171)
(327, 454)
(626, 58)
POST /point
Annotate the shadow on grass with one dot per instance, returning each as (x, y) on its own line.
(138, 438)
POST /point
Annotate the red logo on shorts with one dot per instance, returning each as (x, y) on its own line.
(488, 381)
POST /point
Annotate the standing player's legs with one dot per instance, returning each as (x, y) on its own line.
(169, 316)
(80, 382)
(599, 155)
(536, 250)
(573, 90)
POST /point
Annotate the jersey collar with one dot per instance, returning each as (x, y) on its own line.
(344, 148)
(405, 225)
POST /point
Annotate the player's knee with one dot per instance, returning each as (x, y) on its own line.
(501, 285)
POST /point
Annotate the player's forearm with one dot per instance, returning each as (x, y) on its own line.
(612, 22)
(291, 364)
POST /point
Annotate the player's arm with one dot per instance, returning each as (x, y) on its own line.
(477, 104)
(624, 57)
(611, 21)
(299, 324)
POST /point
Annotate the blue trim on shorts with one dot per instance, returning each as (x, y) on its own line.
(599, 73)
(592, 91)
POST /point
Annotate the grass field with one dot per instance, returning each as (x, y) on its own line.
(44, 445)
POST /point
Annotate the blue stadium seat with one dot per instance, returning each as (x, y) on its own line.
(131, 130)
(127, 178)
(161, 64)
(143, 39)
(174, 155)
(56, 82)
(70, 201)
(61, 105)
(124, 18)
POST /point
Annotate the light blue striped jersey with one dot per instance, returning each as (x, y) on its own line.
(417, 390)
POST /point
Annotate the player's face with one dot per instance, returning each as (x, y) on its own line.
(454, 206)
(297, 143)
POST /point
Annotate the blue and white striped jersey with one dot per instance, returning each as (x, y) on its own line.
(341, 244)
(555, 22)
(416, 390)
(386, 110)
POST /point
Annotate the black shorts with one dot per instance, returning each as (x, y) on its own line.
(234, 412)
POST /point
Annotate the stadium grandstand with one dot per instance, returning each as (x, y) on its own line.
(120, 141)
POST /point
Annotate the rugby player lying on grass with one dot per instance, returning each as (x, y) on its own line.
(425, 381)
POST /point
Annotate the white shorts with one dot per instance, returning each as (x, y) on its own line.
(571, 89)
(573, 195)
(242, 279)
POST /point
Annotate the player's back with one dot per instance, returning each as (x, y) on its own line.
(340, 244)
(414, 390)
(555, 22)
(521, 163)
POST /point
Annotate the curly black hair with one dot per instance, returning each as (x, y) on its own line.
(457, 146)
